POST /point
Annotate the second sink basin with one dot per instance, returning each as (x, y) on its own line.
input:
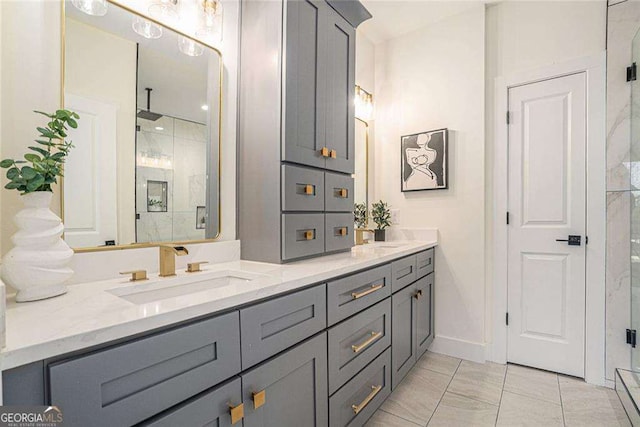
(174, 287)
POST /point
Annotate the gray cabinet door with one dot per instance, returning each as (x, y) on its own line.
(356, 402)
(354, 293)
(273, 326)
(302, 189)
(209, 409)
(302, 235)
(357, 341)
(403, 272)
(340, 109)
(289, 390)
(424, 314)
(127, 384)
(338, 192)
(338, 233)
(305, 81)
(403, 347)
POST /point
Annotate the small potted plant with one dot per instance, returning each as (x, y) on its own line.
(381, 215)
(360, 215)
(37, 266)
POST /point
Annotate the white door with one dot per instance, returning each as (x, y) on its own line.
(90, 205)
(547, 203)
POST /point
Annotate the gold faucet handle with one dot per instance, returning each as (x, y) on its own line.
(136, 275)
(194, 267)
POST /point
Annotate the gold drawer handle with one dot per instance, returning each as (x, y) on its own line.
(309, 235)
(259, 398)
(375, 389)
(343, 193)
(342, 231)
(372, 289)
(236, 412)
(308, 189)
(334, 154)
(374, 336)
(324, 152)
(418, 294)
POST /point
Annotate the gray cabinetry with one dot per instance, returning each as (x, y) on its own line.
(424, 314)
(338, 231)
(424, 263)
(403, 355)
(403, 272)
(303, 189)
(212, 408)
(303, 235)
(338, 192)
(277, 324)
(356, 402)
(357, 341)
(289, 390)
(129, 383)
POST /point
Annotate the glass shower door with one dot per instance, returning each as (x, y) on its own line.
(634, 173)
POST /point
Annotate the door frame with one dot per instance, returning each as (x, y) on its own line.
(594, 68)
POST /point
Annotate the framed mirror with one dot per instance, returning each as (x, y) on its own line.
(361, 175)
(145, 167)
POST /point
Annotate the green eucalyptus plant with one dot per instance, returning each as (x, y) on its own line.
(360, 215)
(381, 215)
(44, 164)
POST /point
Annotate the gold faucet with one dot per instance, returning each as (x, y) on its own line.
(360, 240)
(168, 255)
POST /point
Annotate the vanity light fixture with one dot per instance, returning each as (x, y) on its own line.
(91, 7)
(364, 104)
(146, 29)
(211, 27)
(190, 47)
(164, 9)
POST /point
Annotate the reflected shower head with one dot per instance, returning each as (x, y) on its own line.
(148, 114)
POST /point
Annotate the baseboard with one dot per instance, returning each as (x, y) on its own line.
(461, 349)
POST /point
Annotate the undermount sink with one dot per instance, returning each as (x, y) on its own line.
(179, 286)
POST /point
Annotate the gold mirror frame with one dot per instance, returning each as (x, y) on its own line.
(220, 105)
(366, 160)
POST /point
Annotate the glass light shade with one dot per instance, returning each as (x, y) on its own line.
(146, 29)
(91, 7)
(363, 104)
(189, 47)
(164, 9)
(211, 20)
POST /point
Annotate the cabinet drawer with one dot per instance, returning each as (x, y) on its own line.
(338, 192)
(209, 409)
(128, 384)
(302, 189)
(302, 235)
(275, 325)
(338, 232)
(354, 293)
(403, 272)
(357, 341)
(424, 263)
(363, 394)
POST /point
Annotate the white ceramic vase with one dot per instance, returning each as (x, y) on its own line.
(37, 266)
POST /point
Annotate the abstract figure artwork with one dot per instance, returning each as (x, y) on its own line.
(424, 161)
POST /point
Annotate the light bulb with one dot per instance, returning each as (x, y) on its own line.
(146, 29)
(91, 7)
(164, 9)
(190, 47)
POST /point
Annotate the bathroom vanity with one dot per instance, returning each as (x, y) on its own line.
(316, 342)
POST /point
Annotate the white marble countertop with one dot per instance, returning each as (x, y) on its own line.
(89, 315)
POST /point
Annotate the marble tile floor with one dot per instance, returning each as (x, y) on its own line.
(445, 391)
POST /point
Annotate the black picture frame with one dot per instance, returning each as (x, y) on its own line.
(436, 177)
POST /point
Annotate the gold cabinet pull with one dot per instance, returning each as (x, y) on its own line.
(259, 398)
(375, 389)
(342, 231)
(343, 193)
(418, 294)
(334, 154)
(309, 235)
(324, 152)
(194, 267)
(374, 336)
(373, 288)
(136, 275)
(308, 189)
(236, 412)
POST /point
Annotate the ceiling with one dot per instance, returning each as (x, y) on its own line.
(393, 18)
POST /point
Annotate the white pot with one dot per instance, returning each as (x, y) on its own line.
(37, 266)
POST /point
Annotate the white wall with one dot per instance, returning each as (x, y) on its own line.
(30, 63)
(429, 79)
(524, 36)
(365, 78)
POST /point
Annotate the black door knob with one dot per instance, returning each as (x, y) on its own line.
(572, 240)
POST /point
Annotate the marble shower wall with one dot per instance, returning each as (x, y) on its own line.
(172, 151)
(623, 23)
